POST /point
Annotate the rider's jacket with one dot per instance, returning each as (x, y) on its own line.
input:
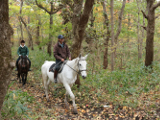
(61, 51)
(23, 50)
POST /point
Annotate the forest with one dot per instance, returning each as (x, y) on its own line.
(121, 39)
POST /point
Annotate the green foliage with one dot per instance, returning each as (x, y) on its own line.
(122, 84)
(14, 105)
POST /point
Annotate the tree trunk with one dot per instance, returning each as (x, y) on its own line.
(106, 24)
(51, 12)
(140, 39)
(79, 23)
(112, 35)
(20, 23)
(129, 25)
(119, 27)
(28, 32)
(50, 34)
(150, 31)
(150, 38)
(6, 65)
(38, 34)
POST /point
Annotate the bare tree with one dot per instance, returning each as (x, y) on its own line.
(140, 37)
(150, 16)
(52, 11)
(106, 24)
(38, 32)
(6, 65)
(114, 37)
(112, 34)
(24, 23)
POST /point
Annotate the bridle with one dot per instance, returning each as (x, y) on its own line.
(79, 72)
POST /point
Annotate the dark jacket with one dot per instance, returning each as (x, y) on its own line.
(61, 52)
(23, 51)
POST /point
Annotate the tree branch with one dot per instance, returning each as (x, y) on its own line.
(40, 6)
(157, 16)
(56, 10)
(144, 14)
(86, 12)
(156, 5)
(145, 28)
(120, 20)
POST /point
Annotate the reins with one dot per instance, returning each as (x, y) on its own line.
(78, 72)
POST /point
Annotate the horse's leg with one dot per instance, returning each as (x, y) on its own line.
(68, 89)
(25, 78)
(19, 78)
(66, 100)
(23, 82)
(46, 85)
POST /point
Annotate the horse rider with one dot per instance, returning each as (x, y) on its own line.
(23, 51)
(61, 53)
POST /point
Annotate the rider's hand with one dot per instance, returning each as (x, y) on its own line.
(69, 58)
(62, 60)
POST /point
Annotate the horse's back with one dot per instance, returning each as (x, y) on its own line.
(46, 66)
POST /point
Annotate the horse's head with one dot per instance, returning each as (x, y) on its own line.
(24, 61)
(82, 65)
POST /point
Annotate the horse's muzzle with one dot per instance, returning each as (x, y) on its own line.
(84, 77)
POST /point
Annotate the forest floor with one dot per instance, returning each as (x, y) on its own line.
(89, 107)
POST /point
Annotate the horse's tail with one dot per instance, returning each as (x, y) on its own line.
(44, 74)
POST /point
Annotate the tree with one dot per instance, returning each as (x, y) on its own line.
(28, 32)
(6, 65)
(52, 11)
(106, 24)
(112, 34)
(79, 22)
(150, 16)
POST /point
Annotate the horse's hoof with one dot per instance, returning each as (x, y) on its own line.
(48, 100)
(44, 95)
(75, 111)
(67, 106)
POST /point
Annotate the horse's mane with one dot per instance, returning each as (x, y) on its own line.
(45, 61)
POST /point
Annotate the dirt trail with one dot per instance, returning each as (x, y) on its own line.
(88, 107)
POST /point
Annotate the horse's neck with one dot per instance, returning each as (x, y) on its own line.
(73, 64)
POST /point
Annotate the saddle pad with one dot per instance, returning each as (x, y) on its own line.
(52, 68)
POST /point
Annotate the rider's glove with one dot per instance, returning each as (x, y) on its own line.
(27, 55)
(19, 55)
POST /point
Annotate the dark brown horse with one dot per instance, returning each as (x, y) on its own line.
(23, 67)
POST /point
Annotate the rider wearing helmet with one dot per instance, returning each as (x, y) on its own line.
(23, 51)
(61, 53)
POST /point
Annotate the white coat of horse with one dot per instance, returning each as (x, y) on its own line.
(67, 77)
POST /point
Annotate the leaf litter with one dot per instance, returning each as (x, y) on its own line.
(89, 107)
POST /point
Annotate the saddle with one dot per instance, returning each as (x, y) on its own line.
(53, 66)
(20, 61)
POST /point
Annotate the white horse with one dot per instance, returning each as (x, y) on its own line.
(67, 77)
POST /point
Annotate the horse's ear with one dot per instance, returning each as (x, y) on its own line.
(77, 59)
(79, 55)
(85, 57)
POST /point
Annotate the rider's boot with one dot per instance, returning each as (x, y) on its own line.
(55, 76)
(16, 66)
(29, 66)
